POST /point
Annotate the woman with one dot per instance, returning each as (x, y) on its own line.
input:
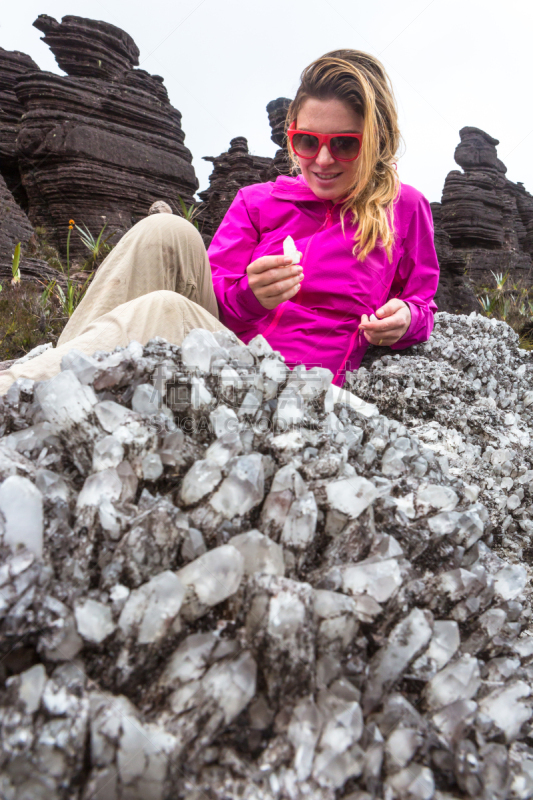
(368, 269)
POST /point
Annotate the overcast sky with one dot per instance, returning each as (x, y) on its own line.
(452, 63)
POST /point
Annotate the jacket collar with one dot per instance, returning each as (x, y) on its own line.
(289, 188)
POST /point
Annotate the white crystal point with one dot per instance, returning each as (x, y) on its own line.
(111, 415)
(510, 581)
(212, 578)
(338, 615)
(260, 553)
(232, 684)
(202, 478)
(452, 720)
(336, 394)
(379, 579)
(459, 680)
(442, 647)
(504, 708)
(402, 744)
(290, 251)
(108, 453)
(152, 608)
(146, 399)
(290, 410)
(103, 485)
(351, 496)
(404, 643)
(274, 369)
(32, 683)
(242, 489)
(414, 781)
(51, 485)
(373, 318)
(193, 545)
(189, 661)
(64, 401)
(152, 467)
(300, 523)
(259, 347)
(83, 366)
(224, 420)
(198, 348)
(310, 383)
(442, 498)
(21, 503)
(304, 730)
(94, 621)
(226, 447)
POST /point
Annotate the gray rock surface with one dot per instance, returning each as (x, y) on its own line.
(232, 602)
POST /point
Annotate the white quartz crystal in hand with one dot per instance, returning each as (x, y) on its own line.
(289, 250)
(373, 318)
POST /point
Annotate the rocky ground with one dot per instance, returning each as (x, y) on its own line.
(218, 582)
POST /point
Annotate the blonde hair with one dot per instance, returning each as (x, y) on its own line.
(359, 80)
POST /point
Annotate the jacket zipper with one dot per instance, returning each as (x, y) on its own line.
(281, 308)
(326, 224)
(359, 335)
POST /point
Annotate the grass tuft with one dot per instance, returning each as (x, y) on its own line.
(510, 302)
(24, 323)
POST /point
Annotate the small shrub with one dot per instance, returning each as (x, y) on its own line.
(190, 213)
(24, 322)
(98, 248)
(510, 302)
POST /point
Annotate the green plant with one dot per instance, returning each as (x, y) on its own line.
(46, 295)
(510, 302)
(71, 296)
(24, 323)
(487, 304)
(189, 213)
(99, 247)
(506, 307)
(500, 279)
(15, 267)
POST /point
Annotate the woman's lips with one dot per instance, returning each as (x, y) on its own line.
(326, 178)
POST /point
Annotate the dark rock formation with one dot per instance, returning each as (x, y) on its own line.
(231, 171)
(277, 114)
(487, 218)
(102, 144)
(88, 48)
(12, 65)
(455, 294)
(15, 227)
(238, 167)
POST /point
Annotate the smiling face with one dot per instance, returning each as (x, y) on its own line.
(328, 178)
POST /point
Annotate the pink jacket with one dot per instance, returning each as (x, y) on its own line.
(320, 325)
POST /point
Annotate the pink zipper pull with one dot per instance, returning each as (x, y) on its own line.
(328, 218)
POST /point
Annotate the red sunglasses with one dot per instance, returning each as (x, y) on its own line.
(342, 146)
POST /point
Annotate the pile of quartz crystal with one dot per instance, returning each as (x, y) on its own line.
(217, 580)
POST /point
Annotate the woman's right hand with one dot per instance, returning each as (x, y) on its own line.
(273, 279)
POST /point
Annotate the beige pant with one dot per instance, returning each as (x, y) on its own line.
(155, 282)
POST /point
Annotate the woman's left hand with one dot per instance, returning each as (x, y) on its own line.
(394, 319)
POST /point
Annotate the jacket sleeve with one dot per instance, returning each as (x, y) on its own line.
(230, 252)
(417, 276)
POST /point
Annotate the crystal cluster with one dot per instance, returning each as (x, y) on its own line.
(222, 578)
